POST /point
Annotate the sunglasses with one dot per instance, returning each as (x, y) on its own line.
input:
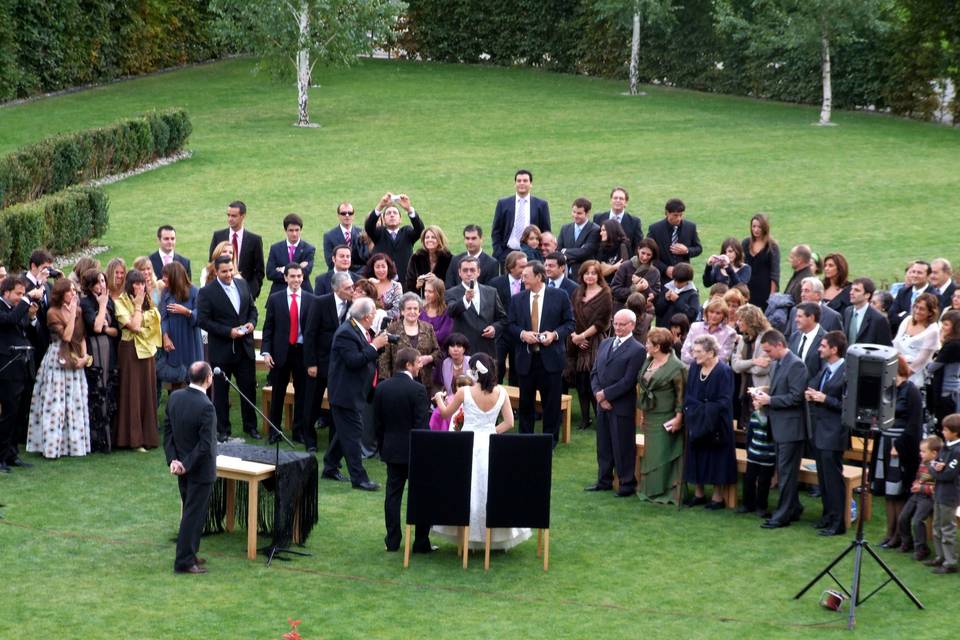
(345, 213)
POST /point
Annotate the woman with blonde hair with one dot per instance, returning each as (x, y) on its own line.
(210, 273)
(116, 274)
(748, 358)
(154, 287)
(714, 323)
(432, 259)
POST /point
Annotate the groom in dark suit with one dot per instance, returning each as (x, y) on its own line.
(476, 309)
(189, 441)
(516, 212)
(614, 384)
(400, 405)
(676, 238)
(539, 322)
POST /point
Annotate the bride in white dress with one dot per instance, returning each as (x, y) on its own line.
(483, 403)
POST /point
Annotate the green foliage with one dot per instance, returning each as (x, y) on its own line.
(67, 159)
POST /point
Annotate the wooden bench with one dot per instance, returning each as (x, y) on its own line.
(512, 392)
(851, 480)
(854, 454)
(234, 470)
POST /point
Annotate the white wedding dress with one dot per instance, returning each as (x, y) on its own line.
(483, 424)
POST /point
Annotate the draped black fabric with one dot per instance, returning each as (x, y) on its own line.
(102, 400)
(288, 502)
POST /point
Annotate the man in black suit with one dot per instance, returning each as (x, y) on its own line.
(400, 405)
(540, 320)
(508, 285)
(225, 310)
(345, 233)
(350, 382)
(476, 309)
(514, 213)
(327, 313)
(383, 228)
(473, 241)
(805, 341)
(341, 264)
(36, 279)
(614, 384)
(282, 351)
(16, 368)
(830, 438)
(811, 290)
(293, 250)
(555, 265)
(167, 253)
(801, 261)
(916, 281)
(862, 322)
(941, 281)
(189, 441)
(631, 224)
(247, 247)
(785, 399)
(676, 238)
(580, 239)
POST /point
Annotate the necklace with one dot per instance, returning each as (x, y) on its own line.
(704, 374)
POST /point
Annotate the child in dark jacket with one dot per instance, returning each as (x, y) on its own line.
(913, 518)
(946, 497)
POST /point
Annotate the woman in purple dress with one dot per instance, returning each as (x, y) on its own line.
(434, 311)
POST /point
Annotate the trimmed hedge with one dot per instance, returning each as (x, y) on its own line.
(61, 222)
(68, 159)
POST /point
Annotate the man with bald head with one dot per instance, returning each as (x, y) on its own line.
(811, 290)
(941, 281)
(801, 260)
(614, 384)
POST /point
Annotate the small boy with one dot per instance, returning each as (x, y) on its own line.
(761, 460)
(912, 523)
(946, 497)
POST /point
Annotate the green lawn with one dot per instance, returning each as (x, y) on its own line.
(85, 543)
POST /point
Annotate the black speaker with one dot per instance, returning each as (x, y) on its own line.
(519, 478)
(871, 392)
(441, 466)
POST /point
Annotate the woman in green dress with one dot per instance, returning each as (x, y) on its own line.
(661, 381)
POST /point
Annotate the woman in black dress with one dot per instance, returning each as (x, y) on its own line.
(613, 250)
(103, 335)
(761, 252)
(836, 285)
(943, 392)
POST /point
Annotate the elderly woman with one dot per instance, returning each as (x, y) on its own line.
(727, 267)
(708, 414)
(748, 358)
(762, 253)
(637, 275)
(382, 274)
(103, 336)
(413, 333)
(918, 337)
(714, 324)
(136, 425)
(59, 414)
(592, 310)
(435, 309)
(661, 385)
(432, 259)
(943, 394)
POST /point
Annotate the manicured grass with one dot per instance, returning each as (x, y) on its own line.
(86, 542)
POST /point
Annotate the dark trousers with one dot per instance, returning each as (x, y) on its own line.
(913, 520)
(504, 352)
(616, 448)
(316, 387)
(548, 384)
(789, 455)
(196, 499)
(830, 473)
(244, 372)
(397, 474)
(14, 413)
(756, 486)
(585, 395)
(346, 443)
(279, 378)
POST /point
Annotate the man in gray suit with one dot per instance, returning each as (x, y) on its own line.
(476, 309)
(811, 290)
(806, 339)
(788, 382)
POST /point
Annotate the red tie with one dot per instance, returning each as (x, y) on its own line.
(294, 319)
(290, 250)
(236, 248)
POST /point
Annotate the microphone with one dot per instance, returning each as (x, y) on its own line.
(20, 348)
(217, 371)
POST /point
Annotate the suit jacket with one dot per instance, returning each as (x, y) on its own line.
(946, 295)
(796, 281)
(399, 406)
(39, 334)
(503, 216)
(787, 386)
(322, 322)
(216, 316)
(874, 328)
(813, 361)
(305, 252)
(502, 284)
(157, 262)
(358, 250)
(632, 227)
(489, 269)
(353, 361)
(615, 372)
(14, 325)
(557, 315)
(661, 232)
(829, 434)
(471, 325)
(399, 249)
(276, 325)
(830, 320)
(322, 286)
(580, 249)
(250, 260)
(567, 285)
(190, 434)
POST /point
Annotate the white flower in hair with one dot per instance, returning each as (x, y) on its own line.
(480, 367)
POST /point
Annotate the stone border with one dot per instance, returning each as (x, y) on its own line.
(150, 166)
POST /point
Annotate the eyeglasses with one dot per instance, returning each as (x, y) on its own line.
(345, 213)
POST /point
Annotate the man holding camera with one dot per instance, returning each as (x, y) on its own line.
(383, 228)
(16, 368)
(476, 309)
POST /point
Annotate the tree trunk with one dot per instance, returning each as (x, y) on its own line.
(635, 55)
(827, 104)
(303, 66)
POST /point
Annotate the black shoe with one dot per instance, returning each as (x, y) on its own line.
(715, 505)
(695, 501)
(814, 492)
(832, 531)
(367, 453)
(17, 462)
(426, 549)
(796, 515)
(333, 475)
(254, 434)
(742, 509)
(584, 425)
(625, 494)
(4, 468)
(598, 487)
(822, 523)
(764, 515)
(366, 486)
(774, 524)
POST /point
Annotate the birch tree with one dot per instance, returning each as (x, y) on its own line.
(638, 14)
(290, 37)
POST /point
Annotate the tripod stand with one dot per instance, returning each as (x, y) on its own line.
(858, 545)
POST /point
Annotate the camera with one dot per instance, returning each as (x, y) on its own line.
(54, 273)
(395, 198)
(393, 338)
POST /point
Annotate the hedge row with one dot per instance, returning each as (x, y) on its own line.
(61, 222)
(68, 159)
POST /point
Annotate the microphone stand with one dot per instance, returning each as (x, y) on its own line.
(273, 550)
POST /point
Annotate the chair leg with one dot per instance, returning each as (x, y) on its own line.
(466, 538)
(406, 549)
(546, 549)
(486, 552)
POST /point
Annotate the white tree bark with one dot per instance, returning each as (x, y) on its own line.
(303, 65)
(635, 54)
(827, 104)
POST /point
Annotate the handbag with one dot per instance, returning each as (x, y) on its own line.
(167, 371)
